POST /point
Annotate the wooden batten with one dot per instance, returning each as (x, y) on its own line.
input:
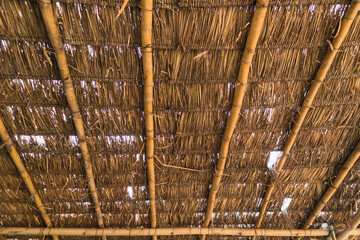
(146, 34)
(24, 174)
(52, 29)
(319, 78)
(257, 23)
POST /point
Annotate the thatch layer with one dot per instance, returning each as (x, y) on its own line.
(196, 50)
(311, 94)
(256, 25)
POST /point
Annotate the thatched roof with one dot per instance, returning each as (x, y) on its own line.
(197, 47)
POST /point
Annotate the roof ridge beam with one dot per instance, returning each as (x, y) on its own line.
(15, 157)
(55, 39)
(256, 26)
(147, 60)
(306, 105)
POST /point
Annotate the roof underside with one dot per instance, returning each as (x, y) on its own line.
(197, 47)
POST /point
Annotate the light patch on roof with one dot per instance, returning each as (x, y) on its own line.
(130, 191)
(325, 226)
(139, 51)
(39, 139)
(274, 158)
(269, 112)
(285, 204)
(4, 43)
(73, 140)
(59, 8)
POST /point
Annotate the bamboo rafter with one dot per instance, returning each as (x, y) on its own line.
(351, 229)
(354, 156)
(146, 32)
(167, 232)
(320, 75)
(52, 29)
(250, 46)
(24, 174)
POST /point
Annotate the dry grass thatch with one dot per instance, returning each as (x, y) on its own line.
(196, 50)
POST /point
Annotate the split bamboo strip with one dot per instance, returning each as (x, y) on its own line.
(24, 174)
(257, 23)
(52, 29)
(354, 156)
(166, 232)
(352, 225)
(146, 32)
(320, 75)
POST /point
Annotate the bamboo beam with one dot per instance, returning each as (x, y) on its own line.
(256, 26)
(52, 29)
(166, 232)
(24, 174)
(146, 34)
(352, 225)
(354, 156)
(320, 75)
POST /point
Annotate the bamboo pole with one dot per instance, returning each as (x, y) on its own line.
(85, 232)
(256, 26)
(146, 32)
(354, 156)
(52, 29)
(350, 230)
(320, 75)
(24, 174)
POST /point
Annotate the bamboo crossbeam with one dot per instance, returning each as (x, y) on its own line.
(146, 34)
(257, 23)
(24, 174)
(320, 75)
(52, 29)
(84, 232)
(351, 229)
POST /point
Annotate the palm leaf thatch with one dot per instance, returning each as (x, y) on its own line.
(307, 104)
(166, 101)
(24, 174)
(52, 29)
(252, 39)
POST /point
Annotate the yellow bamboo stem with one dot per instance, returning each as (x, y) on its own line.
(52, 29)
(146, 31)
(354, 156)
(320, 75)
(87, 232)
(24, 174)
(257, 23)
(350, 230)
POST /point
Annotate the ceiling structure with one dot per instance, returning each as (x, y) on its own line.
(167, 114)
